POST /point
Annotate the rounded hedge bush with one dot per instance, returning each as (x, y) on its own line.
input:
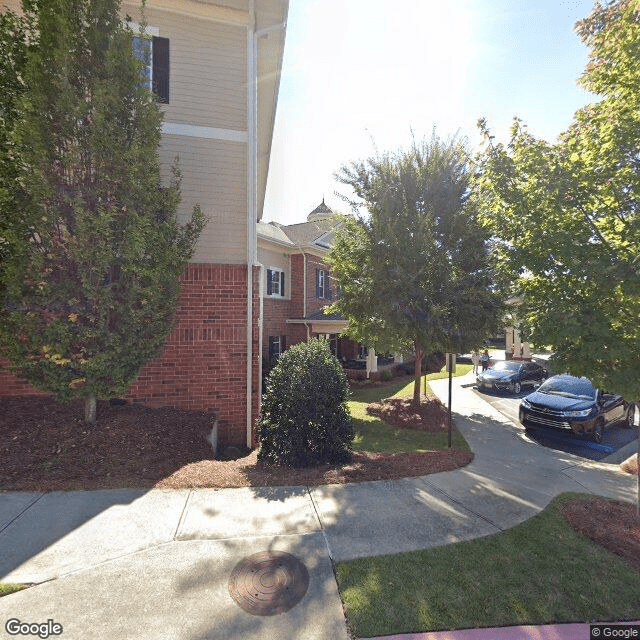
(304, 419)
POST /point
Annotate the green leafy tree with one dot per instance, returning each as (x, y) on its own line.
(304, 418)
(96, 249)
(13, 56)
(566, 215)
(414, 271)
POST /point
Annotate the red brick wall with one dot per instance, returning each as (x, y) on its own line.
(10, 385)
(297, 285)
(204, 362)
(313, 303)
(277, 310)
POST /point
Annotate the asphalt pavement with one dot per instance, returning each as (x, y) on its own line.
(157, 564)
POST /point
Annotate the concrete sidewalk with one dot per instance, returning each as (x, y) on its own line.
(156, 564)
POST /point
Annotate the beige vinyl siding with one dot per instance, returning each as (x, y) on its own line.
(208, 71)
(273, 258)
(213, 176)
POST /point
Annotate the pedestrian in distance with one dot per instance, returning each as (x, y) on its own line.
(475, 360)
(484, 360)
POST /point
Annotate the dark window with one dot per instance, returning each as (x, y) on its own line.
(153, 52)
(160, 81)
(320, 283)
(277, 345)
(275, 282)
(274, 346)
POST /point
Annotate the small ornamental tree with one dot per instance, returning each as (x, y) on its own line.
(304, 419)
(413, 266)
(91, 289)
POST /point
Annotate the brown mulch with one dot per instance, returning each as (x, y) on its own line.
(431, 415)
(612, 524)
(46, 446)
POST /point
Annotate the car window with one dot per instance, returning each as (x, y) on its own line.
(569, 386)
(506, 366)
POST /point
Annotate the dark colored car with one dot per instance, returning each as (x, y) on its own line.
(574, 405)
(512, 376)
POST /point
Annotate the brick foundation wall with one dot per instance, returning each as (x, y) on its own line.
(203, 364)
(10, 385)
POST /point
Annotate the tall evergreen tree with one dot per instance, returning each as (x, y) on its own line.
(93, 280)
(413, 266)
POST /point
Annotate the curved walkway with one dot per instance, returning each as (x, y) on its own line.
(155, 564)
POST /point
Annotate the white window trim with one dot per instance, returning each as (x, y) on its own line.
(322, 283)
(277, 270)
(137, 27)
(148, 32)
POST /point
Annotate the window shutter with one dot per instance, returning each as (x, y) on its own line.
(269, 287)
(270, 346)
(282, 283)
(160, 81)
(317, 283)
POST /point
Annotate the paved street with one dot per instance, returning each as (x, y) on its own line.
(615, 438)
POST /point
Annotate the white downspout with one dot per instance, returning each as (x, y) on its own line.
(252, 193)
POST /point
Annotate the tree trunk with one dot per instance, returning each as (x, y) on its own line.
(90, 409)
(417, 373)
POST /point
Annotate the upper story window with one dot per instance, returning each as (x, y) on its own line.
(322, 285)
(153, 52)
(275, 282)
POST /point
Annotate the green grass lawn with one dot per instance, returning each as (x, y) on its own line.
(375, 435)
(539, 572)
(7, 588)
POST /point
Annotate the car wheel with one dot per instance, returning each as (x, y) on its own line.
(516, 387)
(597, 432)
(631, 414)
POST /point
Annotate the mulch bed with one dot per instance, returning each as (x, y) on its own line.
(46, 446)
(431, 415)
(612, 524)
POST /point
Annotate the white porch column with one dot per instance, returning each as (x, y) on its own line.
(517, 343)
(508, 343)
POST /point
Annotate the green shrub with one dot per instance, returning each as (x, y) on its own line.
(386, 375)
(304, 418)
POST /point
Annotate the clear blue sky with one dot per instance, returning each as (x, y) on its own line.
(363, 72)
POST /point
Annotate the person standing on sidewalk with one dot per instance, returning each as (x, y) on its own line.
(484, 360)
(475, 360)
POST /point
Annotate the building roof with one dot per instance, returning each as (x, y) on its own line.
(318, 232)
(307, 233)
(321, 315)
(319, 229)
(272, 231)
(321, 211)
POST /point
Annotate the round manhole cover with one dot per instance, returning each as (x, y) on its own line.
(268, 583)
